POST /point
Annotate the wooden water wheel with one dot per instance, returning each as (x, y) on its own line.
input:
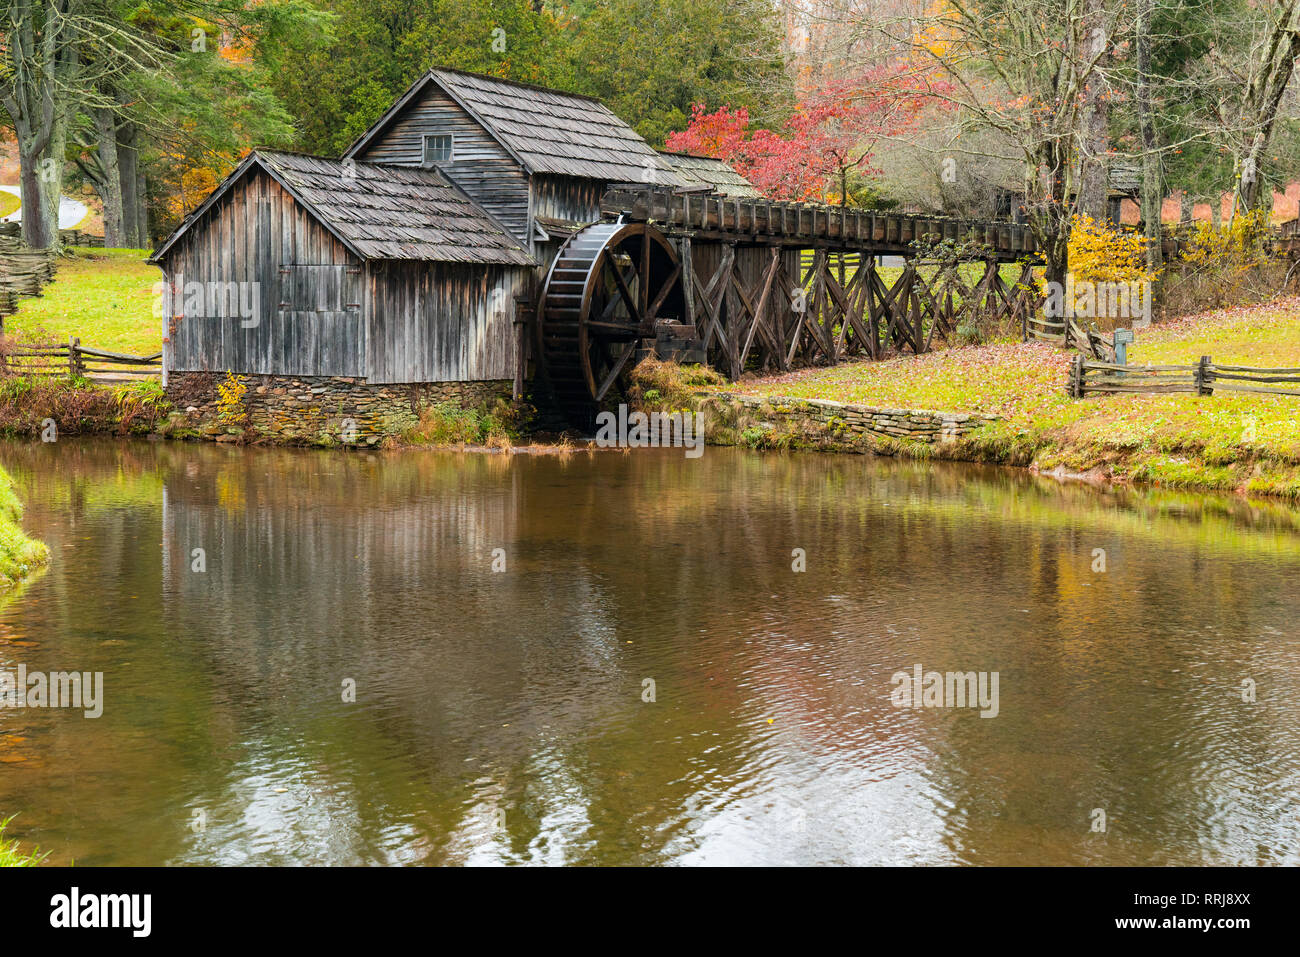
(611, 286)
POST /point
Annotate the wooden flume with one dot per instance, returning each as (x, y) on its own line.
(752, 284)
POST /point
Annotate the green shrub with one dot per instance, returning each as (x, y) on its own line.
(78, 406)
(446, 423)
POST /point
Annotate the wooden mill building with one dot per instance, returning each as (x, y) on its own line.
(485, 236)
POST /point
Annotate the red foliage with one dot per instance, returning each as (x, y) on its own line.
(834, 132)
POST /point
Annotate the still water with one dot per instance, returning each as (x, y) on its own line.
(647, 680)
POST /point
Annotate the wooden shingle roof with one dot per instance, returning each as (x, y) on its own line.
(715, 173)
(382, 212)
(547, 131)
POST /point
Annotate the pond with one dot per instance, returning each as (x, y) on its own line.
(607, 658)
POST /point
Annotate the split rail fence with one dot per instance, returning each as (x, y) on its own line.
(1202, 378)
(75, 360)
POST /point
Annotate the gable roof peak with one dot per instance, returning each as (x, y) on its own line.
(379, 212)
(545, 130)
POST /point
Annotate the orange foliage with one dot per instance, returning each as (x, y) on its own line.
(195, 186)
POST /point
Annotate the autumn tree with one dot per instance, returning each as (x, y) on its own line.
(651, 61)
(336, 86)
(825, 150)
(1272, 45)
(1022, 69)
(58, 57)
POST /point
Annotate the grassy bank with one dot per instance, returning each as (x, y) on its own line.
(102, 296)
(77, 407)
(447, 425)
(19, 555)
(1247, 443)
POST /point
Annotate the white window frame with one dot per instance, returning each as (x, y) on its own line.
(424, 148)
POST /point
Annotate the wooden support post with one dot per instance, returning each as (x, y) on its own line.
(1075, 386)
(711, 298)
(1204, 377)
(872, 283)
(688, 281)
(918, 336)
(76, 363)
(525, 317)
(756, 323)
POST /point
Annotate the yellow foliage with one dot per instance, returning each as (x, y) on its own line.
(937, 29)
(1237, 245)
(196, 184)
(230, 400)
(1103, 252)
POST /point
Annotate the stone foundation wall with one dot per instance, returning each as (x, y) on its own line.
(916, 425)
(319, 409)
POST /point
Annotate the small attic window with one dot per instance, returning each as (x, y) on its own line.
(437, 148)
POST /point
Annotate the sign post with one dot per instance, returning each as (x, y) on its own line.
(1122, 338)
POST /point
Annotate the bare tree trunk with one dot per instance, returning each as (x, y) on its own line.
(51, 179)
(108, 183)
(38, 69)
(1094, 140)
(35, 224)
(142, 206)
(1049, 211)
(1186, 209)
(1153, 178)
(128, 158)
(1265, 89)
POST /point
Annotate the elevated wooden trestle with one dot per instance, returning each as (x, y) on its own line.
(758, 285)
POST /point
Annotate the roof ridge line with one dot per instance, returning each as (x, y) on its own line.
(521, 84)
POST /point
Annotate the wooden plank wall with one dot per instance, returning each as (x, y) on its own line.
(309, 310)
(562, 197)
(443, 322)
(480, 165)
(566, 197)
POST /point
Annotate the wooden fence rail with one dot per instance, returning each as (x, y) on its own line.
(1069, 333)
(1202, 378)
(73, 359)
(69, 237)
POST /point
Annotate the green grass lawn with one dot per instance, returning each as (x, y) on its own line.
(1235, 441)
(105, 297)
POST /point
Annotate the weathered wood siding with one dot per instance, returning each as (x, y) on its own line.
(258, 248)
(566, 197)
(480, 165)
(562, 197)
(442, 322)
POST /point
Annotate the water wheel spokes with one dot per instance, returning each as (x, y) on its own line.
(609, 287)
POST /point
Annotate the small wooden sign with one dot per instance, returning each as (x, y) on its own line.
(1122, 338)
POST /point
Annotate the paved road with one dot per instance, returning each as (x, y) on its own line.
(71, 211)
